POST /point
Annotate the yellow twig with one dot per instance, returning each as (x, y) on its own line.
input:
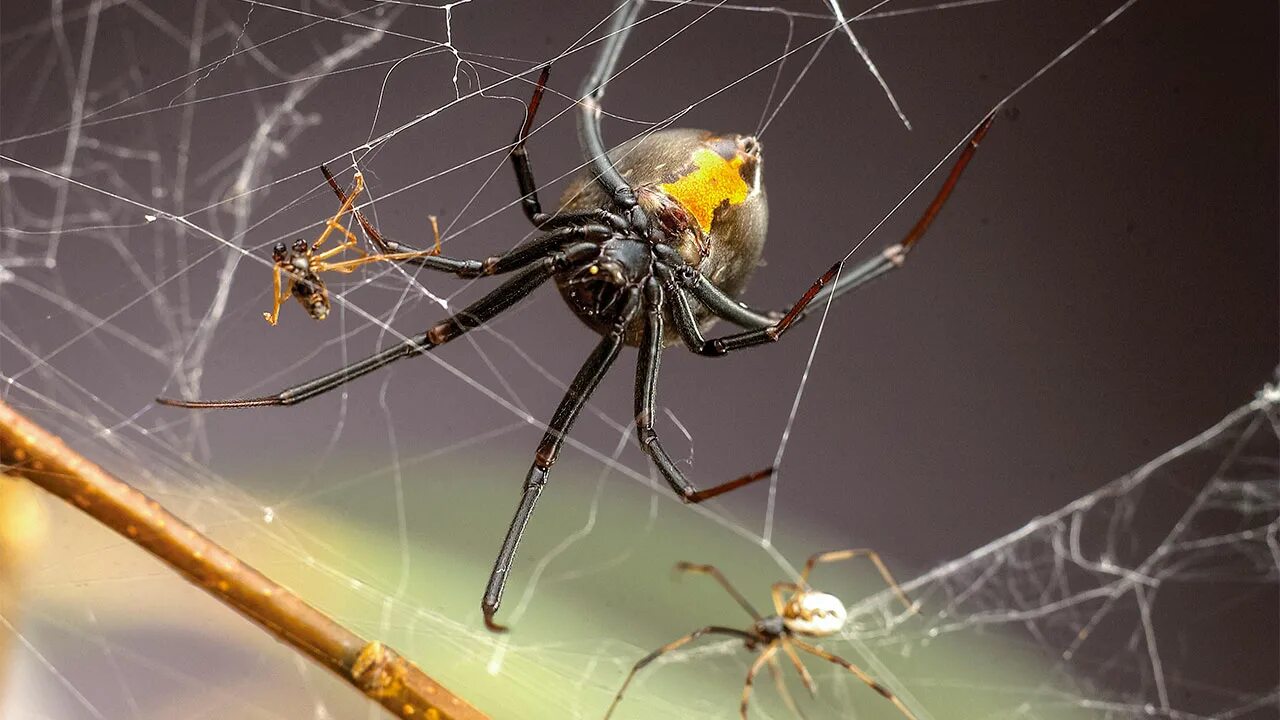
(374, 669)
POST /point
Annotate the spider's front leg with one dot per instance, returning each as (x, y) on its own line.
(278, 296)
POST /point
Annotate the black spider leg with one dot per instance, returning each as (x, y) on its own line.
(768, 327)
(520, 157)
(589, 376)
(593, 89)
(747, 637)
(646, 391)
(514, 259)
(529, 186)
(474, 315)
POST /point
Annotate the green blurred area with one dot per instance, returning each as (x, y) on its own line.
(401, 554)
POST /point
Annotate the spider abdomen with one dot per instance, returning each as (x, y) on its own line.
(704, 192)
(813, 613)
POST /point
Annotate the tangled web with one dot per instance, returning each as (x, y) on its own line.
(151, 156)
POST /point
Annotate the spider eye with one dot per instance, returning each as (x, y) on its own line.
(279, 251)
(300, 245)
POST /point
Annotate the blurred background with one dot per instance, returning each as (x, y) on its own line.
(1101, 288)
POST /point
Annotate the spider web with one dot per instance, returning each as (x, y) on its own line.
(1080, 306)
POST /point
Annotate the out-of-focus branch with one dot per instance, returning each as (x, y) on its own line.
(22, 530)
(376, 670)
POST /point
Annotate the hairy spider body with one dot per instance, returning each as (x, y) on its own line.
(703, 193)
(805, 613)
(657, 239)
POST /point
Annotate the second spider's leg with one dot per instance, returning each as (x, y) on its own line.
(474, 315)
(515, 259)
(765, 655)
(278, 296)
(646, 390)
(724, 583)
(674, 645)
(588, 377)
(872, 555)
(805, 677)
(857, 672)
(775, 669)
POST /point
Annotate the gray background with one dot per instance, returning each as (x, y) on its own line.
(1101, 287)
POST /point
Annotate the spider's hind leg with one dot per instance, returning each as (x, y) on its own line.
(646, 391)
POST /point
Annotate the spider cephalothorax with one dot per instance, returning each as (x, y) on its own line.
(799, 612)
(654, 241)
(702, 195)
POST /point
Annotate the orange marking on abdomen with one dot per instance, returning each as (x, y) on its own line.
(713, 183)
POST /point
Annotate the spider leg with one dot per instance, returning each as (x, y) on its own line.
(775, 670)
(805, 677)
(348, 205)
(687, 324)
(277, 296)
(515, 259)
(673, 645)
(724, 582)
(857, 671)
(776, 593)
(771, 325)
(474, 315)
(646, 389)
(520, 157)
(350, 244)
(347, 266)
(593, 89)
(872, 555)
(588, 377)
(765, 655)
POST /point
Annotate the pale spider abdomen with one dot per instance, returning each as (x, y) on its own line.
(814, 613)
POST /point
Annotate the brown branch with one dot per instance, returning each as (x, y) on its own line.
(374, 669)
(22, 531)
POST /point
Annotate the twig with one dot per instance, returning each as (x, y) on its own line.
(22, 531)
(376, 670)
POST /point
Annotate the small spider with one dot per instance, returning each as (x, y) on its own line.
(805, 613)
(653, 242)
(302, 263)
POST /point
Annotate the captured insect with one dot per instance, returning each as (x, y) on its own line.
(301, 263)
(803, 613)
(663, 231)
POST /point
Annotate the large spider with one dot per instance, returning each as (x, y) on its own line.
(664, 231)
(805, 613)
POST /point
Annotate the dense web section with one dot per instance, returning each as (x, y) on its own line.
(149, 159)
